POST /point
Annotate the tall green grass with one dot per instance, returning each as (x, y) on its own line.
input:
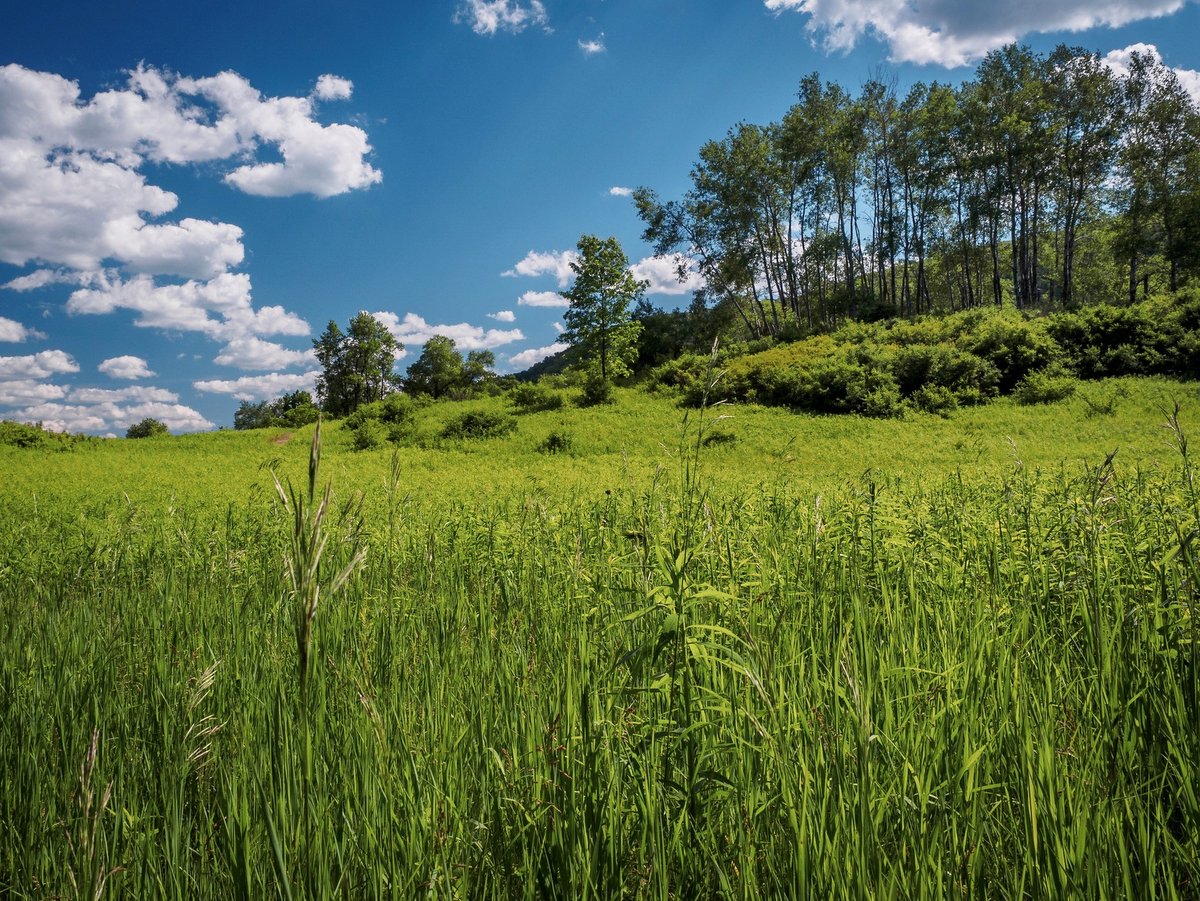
(977, 683)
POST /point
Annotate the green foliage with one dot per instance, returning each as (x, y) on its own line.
(358, 367)
(291, 411)
(147, 428)
(534, 397)
(22, 434)
(599, 319)
(558, 441)
(368, 434)
(596, 390)
(1045, 387)
(479, 424)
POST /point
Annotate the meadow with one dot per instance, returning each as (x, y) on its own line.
(817, 657)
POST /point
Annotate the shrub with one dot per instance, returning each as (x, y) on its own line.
(368, 435)
(557, 442)
(399, 408)
(479, 424)
(532, 397)
(147, 428)
(1015, 346)
(1045, 387)
(935, 399)
(596, 391)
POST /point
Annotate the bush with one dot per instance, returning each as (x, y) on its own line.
(400, 408)
(596, 391)
(533, 397)
(1045, 387)
(479, 424)
(1015, 346)
(147, 428)
(557, 442)
(935, 399)
(368, 435)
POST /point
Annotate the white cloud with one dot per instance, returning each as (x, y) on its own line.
(72, 193)
(37, 366)
(1119, 60)
(556, 263)
(111, 415)
(40, 278)
(139, 393)
(527, 358)
(618, 191)
(591, 48)
(503, 316)
(413, 331)
(249, 352)
(126, 367)
(952, 33)
(261, 387)
(663, 275)
(489, 16)
(14, 332)
(333, 87)
(28, 391)
(559, 327)
(542, 299)
(187, 307)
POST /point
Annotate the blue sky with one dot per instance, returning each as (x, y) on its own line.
(189, 193)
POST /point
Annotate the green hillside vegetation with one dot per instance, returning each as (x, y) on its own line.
(819, 656)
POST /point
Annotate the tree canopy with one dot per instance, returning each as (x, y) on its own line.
(147, 428)
(358, 366)
(1043, 181)
(599, 320)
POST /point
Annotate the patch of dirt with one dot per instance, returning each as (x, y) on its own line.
(280, 440)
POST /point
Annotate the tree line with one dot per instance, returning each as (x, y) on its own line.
(1044, 181)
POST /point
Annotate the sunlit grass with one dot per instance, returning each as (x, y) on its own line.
(849, 659)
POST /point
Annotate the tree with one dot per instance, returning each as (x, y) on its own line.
(358, 366)
(599, 319)
(147, 428)
(437, 371)
(288, 411)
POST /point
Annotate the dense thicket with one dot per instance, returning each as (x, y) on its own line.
(1045, 181)
(938, 363)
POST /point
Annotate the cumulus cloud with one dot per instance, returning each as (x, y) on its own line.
(37, 366)
(662, 273)
(486, 17)
(951, 33)
(556, 263)
(261, 387)
(619, 191)
(503, 316)
(40, 278)
(333, 87)
(75, 195)
(591, 48)
(249, 352)
(414, 331)
(542, 299)
(1119, 60)
(111, 415)
(20, 392)
(219, 308)
(139, 393)
(527, 358)
(126, 367)
(14, 332)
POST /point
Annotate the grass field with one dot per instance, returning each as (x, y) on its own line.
(826, 657)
